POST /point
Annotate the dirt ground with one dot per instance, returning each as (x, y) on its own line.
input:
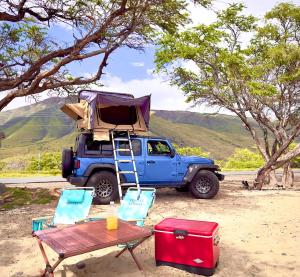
(260, 236)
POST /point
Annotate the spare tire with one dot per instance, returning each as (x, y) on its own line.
(67, 163)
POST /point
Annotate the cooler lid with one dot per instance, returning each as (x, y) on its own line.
(194, 227)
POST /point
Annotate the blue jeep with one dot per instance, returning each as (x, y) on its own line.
(158, 165)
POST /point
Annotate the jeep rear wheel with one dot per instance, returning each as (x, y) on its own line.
(205, 185)
(106, 187)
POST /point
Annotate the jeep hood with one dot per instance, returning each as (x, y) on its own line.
(196, 160)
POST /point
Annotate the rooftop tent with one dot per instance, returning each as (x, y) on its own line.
(103, 111)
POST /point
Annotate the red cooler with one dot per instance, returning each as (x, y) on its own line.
(190, 245)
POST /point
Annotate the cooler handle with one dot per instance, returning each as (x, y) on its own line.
(216, 240)
(180, 234)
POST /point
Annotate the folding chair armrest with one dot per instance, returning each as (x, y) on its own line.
(129, 220)
(138, 222)
(43, 218)
(88, 220)
(95, 218)
(38, 222)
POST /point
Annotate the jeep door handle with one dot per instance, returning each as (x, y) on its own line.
(150, 162)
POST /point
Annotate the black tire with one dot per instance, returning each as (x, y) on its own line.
(205, 185)
(106, 187)
(67, 163)
(183, 189)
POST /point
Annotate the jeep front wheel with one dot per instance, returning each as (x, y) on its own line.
(106, 187)
(205, 185)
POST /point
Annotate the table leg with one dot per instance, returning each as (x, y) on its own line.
(122, 251)
(50, 269)
(135, 259)
(130, 249)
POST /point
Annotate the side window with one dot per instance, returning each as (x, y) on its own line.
(76, 144)
(158, 147)
(136, 146)
(106, 148)
(92, 147)
(99, 148)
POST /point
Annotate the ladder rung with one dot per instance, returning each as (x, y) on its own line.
(121, 139)
(124, 161)
(128, 160)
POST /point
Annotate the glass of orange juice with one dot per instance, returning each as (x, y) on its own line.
(111, 223)
(112, 219)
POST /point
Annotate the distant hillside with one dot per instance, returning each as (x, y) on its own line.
(42, 127)
(220, 144)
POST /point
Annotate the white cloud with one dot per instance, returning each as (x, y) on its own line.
(137, 64)
(24, 101)
(150, 71)
(206, 16)
(64, 25)
(192, 66)
(163, 95)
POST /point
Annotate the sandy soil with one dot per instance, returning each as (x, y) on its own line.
(260, 236)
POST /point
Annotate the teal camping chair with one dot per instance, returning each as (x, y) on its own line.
(136, 205)
(134, 208)
(73, 206)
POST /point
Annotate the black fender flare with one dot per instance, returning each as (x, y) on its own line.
(92, 167)
(102, 166)
(194, 168)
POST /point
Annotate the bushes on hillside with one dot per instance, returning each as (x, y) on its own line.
(191, 151)
(46, 162)
(15, 163)
(244, 159)
(50, 163)
(247, 159)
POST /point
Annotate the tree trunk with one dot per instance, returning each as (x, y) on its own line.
(271, 180)
(287, 176)
(5, 101)
(261, 177)
(265, 176)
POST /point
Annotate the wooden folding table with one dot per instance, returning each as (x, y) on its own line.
(86, 237)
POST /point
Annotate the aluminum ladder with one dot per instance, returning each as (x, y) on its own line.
(131, 160)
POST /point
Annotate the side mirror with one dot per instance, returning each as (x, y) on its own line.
(173, 153)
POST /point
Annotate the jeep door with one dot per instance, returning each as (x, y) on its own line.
(138, 156)
(160, 167)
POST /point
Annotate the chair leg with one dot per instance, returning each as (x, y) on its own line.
(44, 256)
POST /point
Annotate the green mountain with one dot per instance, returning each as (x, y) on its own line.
(42, 127)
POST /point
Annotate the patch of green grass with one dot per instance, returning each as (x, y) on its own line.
(21, 174)
(18, 197)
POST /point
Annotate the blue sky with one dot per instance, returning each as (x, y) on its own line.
(124, 62)
(130, 70)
